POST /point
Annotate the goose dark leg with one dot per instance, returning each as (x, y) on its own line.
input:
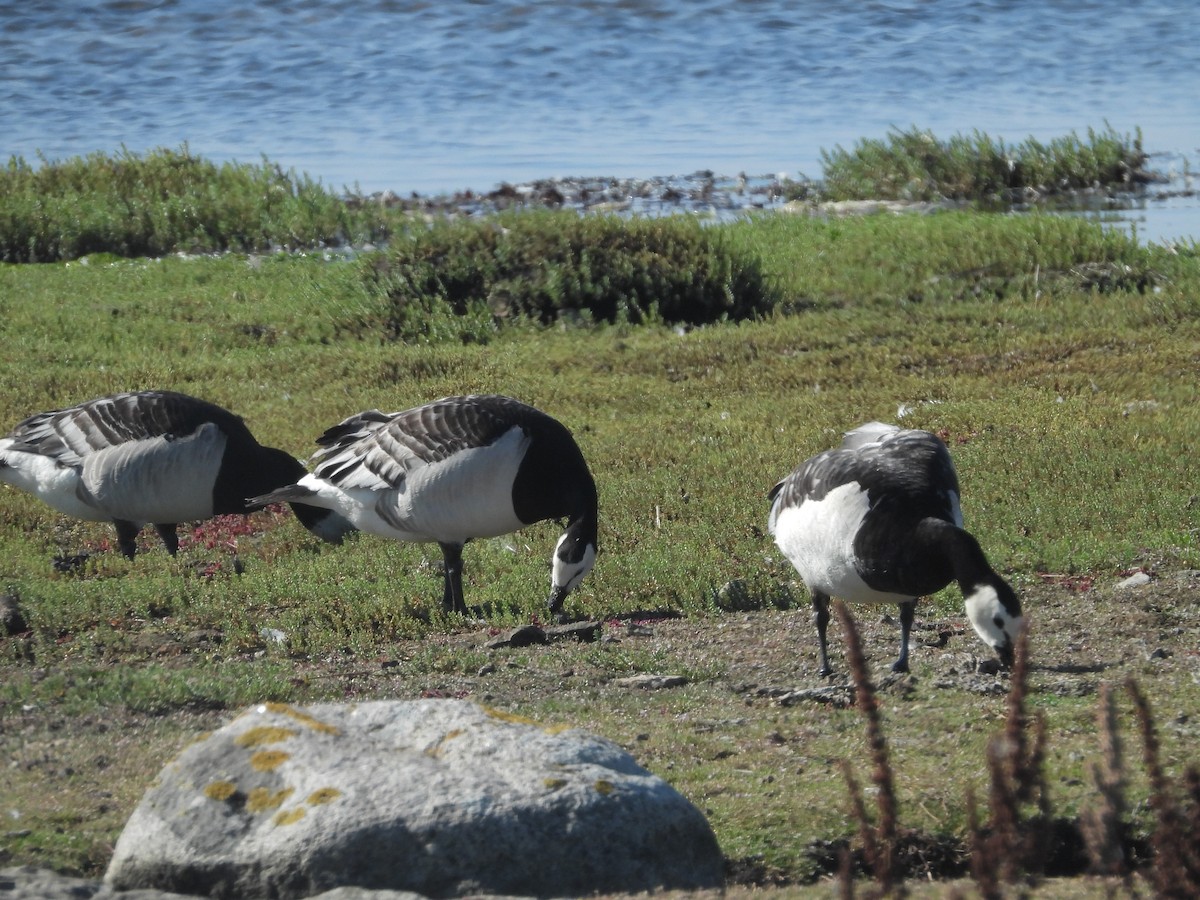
(820, 603)
(169, 537)
(557, 596)
(452, 599)
(127, 534)
(908, 609)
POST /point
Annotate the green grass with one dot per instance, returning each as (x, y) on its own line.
(1057, 359)
(686, 431)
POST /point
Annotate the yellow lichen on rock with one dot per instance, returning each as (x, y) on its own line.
(604, 787)
(435, 750)
(266, 760)
(262, 799)
(323, 795)
(554, 783)
(220, 790)
(264, 734)
(504, 716)
(302, 717)
(290, 816)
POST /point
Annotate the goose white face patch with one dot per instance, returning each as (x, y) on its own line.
(993, 623)
(565, 575)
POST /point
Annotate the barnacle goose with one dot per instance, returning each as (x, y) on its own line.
(877, 520)
(156, 457)
(456, 469)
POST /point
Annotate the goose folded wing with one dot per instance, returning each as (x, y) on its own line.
(376, 451)
(814, 478)
(71, 435)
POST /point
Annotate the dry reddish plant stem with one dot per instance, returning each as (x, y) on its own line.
(1176, 874)
(1009, 847)
(1101, 823)
(883, 855)
(983, 867)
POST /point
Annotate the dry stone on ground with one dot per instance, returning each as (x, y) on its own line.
(439, 797)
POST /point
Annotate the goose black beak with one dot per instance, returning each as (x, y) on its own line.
(1005, 653)
(557, 596)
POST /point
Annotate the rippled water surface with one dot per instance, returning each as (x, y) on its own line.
(432, 97)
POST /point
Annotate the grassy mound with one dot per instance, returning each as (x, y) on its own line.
(463, 277)
(915, 165)
(164, 202)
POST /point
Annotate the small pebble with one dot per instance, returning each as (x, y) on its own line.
(1137, 579)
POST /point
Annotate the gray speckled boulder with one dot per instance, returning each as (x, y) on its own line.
(438, 797)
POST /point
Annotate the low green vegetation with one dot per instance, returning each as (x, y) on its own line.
(1056, 358)
(916, 165)
(171, 201)
(460, 279)
(166, 201)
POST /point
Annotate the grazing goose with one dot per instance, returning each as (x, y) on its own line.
(877, 520)
(149, 457)
(456, 469)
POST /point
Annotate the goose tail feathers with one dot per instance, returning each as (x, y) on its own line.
(293, 493)
(868, 433)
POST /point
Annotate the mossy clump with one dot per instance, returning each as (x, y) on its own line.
(464, 279)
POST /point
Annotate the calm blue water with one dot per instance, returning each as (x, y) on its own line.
(438, 96)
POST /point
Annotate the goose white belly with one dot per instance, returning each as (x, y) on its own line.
(55, 485)
(468, 495)
(818, 538)
(156, 480)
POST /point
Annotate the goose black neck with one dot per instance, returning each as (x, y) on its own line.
(585, 521)
(249, 470)
(554, 482)
(964, 559)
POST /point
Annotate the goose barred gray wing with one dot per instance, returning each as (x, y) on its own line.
(907, 470)
(377, 450)
(69, 435)
(454, 470)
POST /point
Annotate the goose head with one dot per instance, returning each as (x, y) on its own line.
(995, 614)
(574, 556)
